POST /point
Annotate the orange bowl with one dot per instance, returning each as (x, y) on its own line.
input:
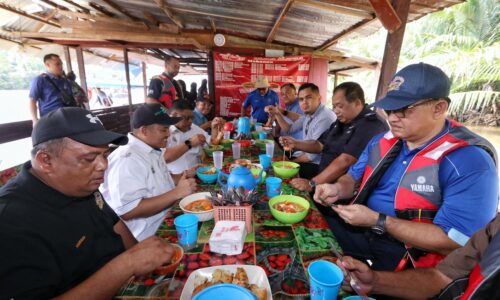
(174, 263)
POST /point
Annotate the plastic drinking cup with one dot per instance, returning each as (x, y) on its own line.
(265, 160)
(227, 135)
(325, 279)
(236, 150)
(262, 135)
(258, 128)
(218, 158)
(187, 230)
(356, 298)
(273, 186)
(270, 149)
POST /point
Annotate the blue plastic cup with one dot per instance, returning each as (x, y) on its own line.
(262, 135)
(265, 160)
(273, 186)
(356, 298)
(325, 279)
(187, 230)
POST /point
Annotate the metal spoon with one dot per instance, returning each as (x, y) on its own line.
(353, 280)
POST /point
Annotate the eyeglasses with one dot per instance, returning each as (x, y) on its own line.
(401, 112)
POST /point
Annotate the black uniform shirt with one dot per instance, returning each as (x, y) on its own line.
(350, 138)
(50, 242)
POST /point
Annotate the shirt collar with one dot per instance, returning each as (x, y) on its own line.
(196, 111)
(362, 114)
(52, 76)
(41, 191)
(139, 144)
(318, 111)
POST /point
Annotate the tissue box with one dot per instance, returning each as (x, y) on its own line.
(228, 237)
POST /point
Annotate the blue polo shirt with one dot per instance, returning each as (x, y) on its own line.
(467, 178)
(48, 97)
(198, 117)
(258, 103)
(293, 107)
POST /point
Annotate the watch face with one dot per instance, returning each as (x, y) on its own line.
(378, 230)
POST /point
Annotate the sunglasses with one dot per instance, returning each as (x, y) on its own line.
(401, 112)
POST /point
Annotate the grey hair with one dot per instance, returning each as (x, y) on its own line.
(53, 147)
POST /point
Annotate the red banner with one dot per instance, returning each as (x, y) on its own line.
(234, 77)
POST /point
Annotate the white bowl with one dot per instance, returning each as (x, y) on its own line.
(202, 215)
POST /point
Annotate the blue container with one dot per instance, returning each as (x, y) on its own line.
(265, 161)
(273, 186)
(262, 135)
(325, 279)
(187, 230)
(207, 178)
(225, 291)
(356, 298)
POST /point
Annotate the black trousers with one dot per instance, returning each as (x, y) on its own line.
(308, 170)
(383, 251)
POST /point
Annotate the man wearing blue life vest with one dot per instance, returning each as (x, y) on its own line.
(258, 99)
(424, 187)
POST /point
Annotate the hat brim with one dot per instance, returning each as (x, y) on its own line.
(392, 103)
(169, 121)
(100, 137)
(261, 86)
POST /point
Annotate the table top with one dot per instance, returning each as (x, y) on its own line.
(283, 251)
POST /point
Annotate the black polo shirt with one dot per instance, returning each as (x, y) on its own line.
(50, 242)
(350, 138)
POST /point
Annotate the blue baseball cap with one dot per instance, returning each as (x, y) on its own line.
(413, 83)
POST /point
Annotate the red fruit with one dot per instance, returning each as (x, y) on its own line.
(283, 234)
(192, 257)
(294, 291)
(193, 265)
(258, 247)
(229, 260)
(280, 263)
(303, 291)
(181, 273)
(271, 258)
(299, 283)
(203, 264)
(273, 265)
(285, 287)
(149, 282)
(243, 255)
(204, 256)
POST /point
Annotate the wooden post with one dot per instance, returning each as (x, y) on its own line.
(144, 80)
(392, 48)
(335, 79)
(211, 80)
(81, 68)
(67, 57)
(127, 78)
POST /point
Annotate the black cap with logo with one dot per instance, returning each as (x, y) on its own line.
(152, 113)
(77, 124)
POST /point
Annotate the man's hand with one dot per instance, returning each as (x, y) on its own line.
(357, 214)
(218, 122)
(288, 142)
(191, 172)
(271, 110)
(326, 194)
(148, 255)
(197, 140)
(185, 186)
(301, 184)
(366, 277)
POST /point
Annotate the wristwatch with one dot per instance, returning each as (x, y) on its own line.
(188, 143)
(285, 112)
(379, 227)
(312, 184)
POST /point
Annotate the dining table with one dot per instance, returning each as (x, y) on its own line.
(283, 251)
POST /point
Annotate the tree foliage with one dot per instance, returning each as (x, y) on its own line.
(17, 70)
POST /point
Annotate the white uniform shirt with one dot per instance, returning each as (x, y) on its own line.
(192, 156)
(136, 171)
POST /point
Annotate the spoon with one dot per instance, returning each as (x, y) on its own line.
(353, 280)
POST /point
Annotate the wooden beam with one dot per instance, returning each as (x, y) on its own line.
(202, 13)
(386, 14)
(101, 9)
(328, 43)
(337, 8)
(55, 5)
(280, 18)
(96, 19)
(151, 18)
(67, 57)
(120, 9)
(166, 9)
(127, 78)
(83, 8)
(212, 25)
(392, 48)
(144, 79)
(40, 25)
(81, 68)
(27, 15)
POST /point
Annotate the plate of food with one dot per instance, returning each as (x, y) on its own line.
(250, 277)
(199, 205)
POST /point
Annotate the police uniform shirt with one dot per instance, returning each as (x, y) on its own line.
(50, 242)
(350, 138)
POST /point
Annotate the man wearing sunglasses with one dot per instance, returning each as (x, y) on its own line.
(424, 187)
